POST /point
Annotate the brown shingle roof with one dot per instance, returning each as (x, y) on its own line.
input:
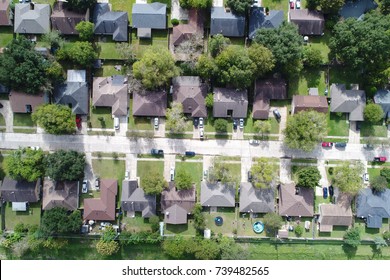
(292, 204)
(60, 194)
(230, 99)
(309, 22)
(111, 92)
(20, 191)
(265, 90)
(4, 13)
(150, 104)
(19, 101)
(184, 32)
(65, 20)
(103, 208)
(309, 102)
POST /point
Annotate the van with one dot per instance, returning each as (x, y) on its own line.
(116, 123)
(190, 154)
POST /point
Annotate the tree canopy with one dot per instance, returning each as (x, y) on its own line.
(331, 6)
(309, 177)
(183, 179)
(312, 57)
(85, 30)
(352, 237)
(221, 125)
(79, 53)
(262, 58)
(206, 67)
(217, 44)
(80, 5)
(200, 4)
(347, 177)
(25, 164)
(385, 6)
(262, 127)
(209, 100)
(175, 119)
(54, 118)
(220, 171)
(65, 165)
(379, 183)
(239, 7)
(153, 183)
(373, 113)
(272, 221)
(305, 130)
(385, 172)
(57, 220)
(263, 173)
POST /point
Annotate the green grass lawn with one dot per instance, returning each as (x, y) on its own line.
(375, 130)
(321, 43)
(2, 120)
(6, 35)
(245, 225)
(337, 126)
(229, 221)
(320, 200)
(371, 233)
(184, 229)
(340, 75)
(30, 217)
(159, 39)
(136, 224)
(107, 49)
(195, 169)
(90, 194)
(21, 119)
(308, 78)
(235, 171)
(146, 167)
(277, 5)
(237, 41)
(101, 112)
(123, 6)
(373, 172)
(248, 125)
(139, 123)
(108, 70)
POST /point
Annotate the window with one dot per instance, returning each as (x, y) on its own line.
(28, 108)
(229, 113)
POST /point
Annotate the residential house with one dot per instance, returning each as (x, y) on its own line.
(230, 103)
(357, 8)
(111, 92)
(74, 92)
(217, 195)
(63, 194)
(64, 20)
(256, 200)
(110, 23)
(177, 204)
(191, 92)
(32, 18)
(26, 103)
(6, 14)
(338, 214)
(146, 17)
(351, 102)
(309, 102)
(265, 91)
(296, 201)
(373, 206)
(382, 97)
(224, 22)
(183, 32)
(134, 199)
(20, 193)
(103, 208)
(258, 18)
(150, 104)
(309, 22)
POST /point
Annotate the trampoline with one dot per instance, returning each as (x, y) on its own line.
(258, 227)
(218, 221)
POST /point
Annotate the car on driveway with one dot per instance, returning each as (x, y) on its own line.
(331, 190)
(366, 177)
(200, 122)
(84, 189)
(155, 123)
(254, 142)
(368, 146)
(298, 4)
(292, 5)
(327, 144)
(127, 175)
(380, 159)
(325, 192)
(234, 124)
(249, 176)
(277, 113)
(78, 121)
(97, 183)
(196, 122)
(241, 123)
(201, 133)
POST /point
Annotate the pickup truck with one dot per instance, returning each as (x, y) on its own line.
(157, 152)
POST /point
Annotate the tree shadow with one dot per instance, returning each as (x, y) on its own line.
(349, 251)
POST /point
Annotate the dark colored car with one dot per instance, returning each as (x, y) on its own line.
(325, 192)
(327, 144)
(196, 122)
(331, 190)
(276, 111)
(190, 154)
(380, 159)
(358, 126)
(234, 124)
(78, 121)
(249, 176)
(157, 152)
(340, 145)
(368, 146)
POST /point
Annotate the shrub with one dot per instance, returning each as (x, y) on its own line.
(298, 230)
(175, 21)
(154, 223)
(221, 125)
(386, 235)
(330, 170)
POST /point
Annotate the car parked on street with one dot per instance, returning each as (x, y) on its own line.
(340, 145)
(380, 159)
(157, 152)
(327, 144)
(325, 192)
(254, 142)
(368, 146)
(189, 154)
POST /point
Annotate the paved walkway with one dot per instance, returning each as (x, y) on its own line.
(8, 115)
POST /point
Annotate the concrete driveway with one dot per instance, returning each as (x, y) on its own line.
(8, 115)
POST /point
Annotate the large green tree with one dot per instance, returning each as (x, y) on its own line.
(373, 113)
(55, 119)
(379, 183)
(385, 6)
(262, 58)
(206, 67)
(65, 165)
(85, 30)
(80, 53)
(312, 57)
(155, 68)
(221, 125)
(175, 119)
(309, 177)
(385, 172)
(206, 249)
(199, 220)
(239, 7)
(153, 183)
(176, 247)
(262, 127)
(220, 171)
(272, 221)
(347, 177)
(331, 6)
(263, 173)
(80, 5)
(217, 44)
(57, 220)
(305, 130)
(25, 164)
(183, 179)
(107, 248)
(352, 237)
(200, 4)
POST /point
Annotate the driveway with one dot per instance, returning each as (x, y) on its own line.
(122, 126)
(246, 164)
(285, 170)
(169, 162)
(354, 135)
(160, 132)
(8, 115)
(178, 12)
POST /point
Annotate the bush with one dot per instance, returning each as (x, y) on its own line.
(330, 170)
(154, 223)
(386, 235)
(175, 21)
(21, 228)
(221, 125)
(298, 230)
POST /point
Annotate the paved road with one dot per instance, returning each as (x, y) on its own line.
(120, 144)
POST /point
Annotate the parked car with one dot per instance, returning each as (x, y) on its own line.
(84, 189)
(276, 111)
(241, 123)
(234, 124)
(116, 123)
(157, 152)
(200, 122)
(172, 173)
(189, 154)
(196, 122)
(340, 145)
(201, 133)
(97, 183)
(325, 192)
(366, 177)
(254, 142)
(380, 159)
(331, 190)
(155, 123)
(358, 124)
(292, 5)
(127, 175)
(205, 174)
(1, 105)
(368, 146)
(249, 176)
(78, 121)
(298, 4)
(327, 144)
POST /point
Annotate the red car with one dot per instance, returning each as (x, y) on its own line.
(327, 144)
(292, 5)
(380, 159)
(78, 121)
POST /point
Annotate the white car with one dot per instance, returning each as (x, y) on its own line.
(298, 4)
(201, 133)
(200, 122)
(172, 173)
(366, 177)
(127, 175)
(155, 123)
(254, 142)
(241, 123)
(84, 189)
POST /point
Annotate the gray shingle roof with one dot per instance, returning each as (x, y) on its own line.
(295, 204)
(226, 99)
(348, 101)
(151, 104)
(134, 199)
(257, 19)
(111, 92)
(373, 206)
(227, 24)
(357, 8)
(217, 195)
(256, 200)
(309, 22)
(152, 15)
(20, 191)
(382, 97)
(32, 19)
(111, 23)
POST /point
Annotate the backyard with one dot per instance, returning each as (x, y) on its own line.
(136, 224)
(183, 229)
(337, 124)
(108, 69)
(308, 78)
(107, 49)
(6, 35)
(101, 117)
(229, 225)
(159, 40)
(30, 217)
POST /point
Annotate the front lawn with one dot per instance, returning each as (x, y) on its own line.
(30, 217)
(144, 168)
(23, 119)
(248, 126)
(195, 169)
(229, 221)
(101, 117)
(138, 123)
(6, 35)
(337, 125)
(235, 171)
(375, 130)
(308, 78)
(2, 120)
(373, 172)
(107, 49)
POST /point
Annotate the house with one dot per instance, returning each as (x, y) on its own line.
(63, 194)
(296, 201)
(191, 92)
(32, 18)
(134, 199)
(351, 102)
(103, 208)
(339, 214)
(5, 13)
(146, 17)
(111, 92)
(382, 97)
(230, 103)
(309, 22)
(373, 206)
(266, 90)
(255, 200)
(183, 32)
(309, 102)
(224, 22)
(150, 104)
(177, 204)
(74, 92)
(110, 23)
(357, 8)
(26, 103)
(259, 19)
(20, 193)
(64, 20)
(217, 195)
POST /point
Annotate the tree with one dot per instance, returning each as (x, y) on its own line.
(312, 57)
(25, 164)
(54, 71)
(347, 177)
(22, 68)
(153, 183)
(55, 118)
(305, 130)
(221, 125)
(239, 7)
(262, 127)
(53, 39)
(199, 221)
(217, 44)
(56, 220)
(200, 4)
(126, 52)
(312, 4)
(209, 100)
(373, 113)
(272, 221)
(176, 247)
(309, 177)
(352, 237)
(175, 119)
(230, 250)
(263, 173)
(154, 222)
(220, 171)
(206, 67)
(331, 6)
(65, 165)
(385, 6)
(183, 179)
(107, 248)
(379, 184)
(262, 58)
(79, 53)
(298, 230)
(206, 249)
(80, 5)
(385, 172)
(74, 221)
(85, 30)
(155, 68)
